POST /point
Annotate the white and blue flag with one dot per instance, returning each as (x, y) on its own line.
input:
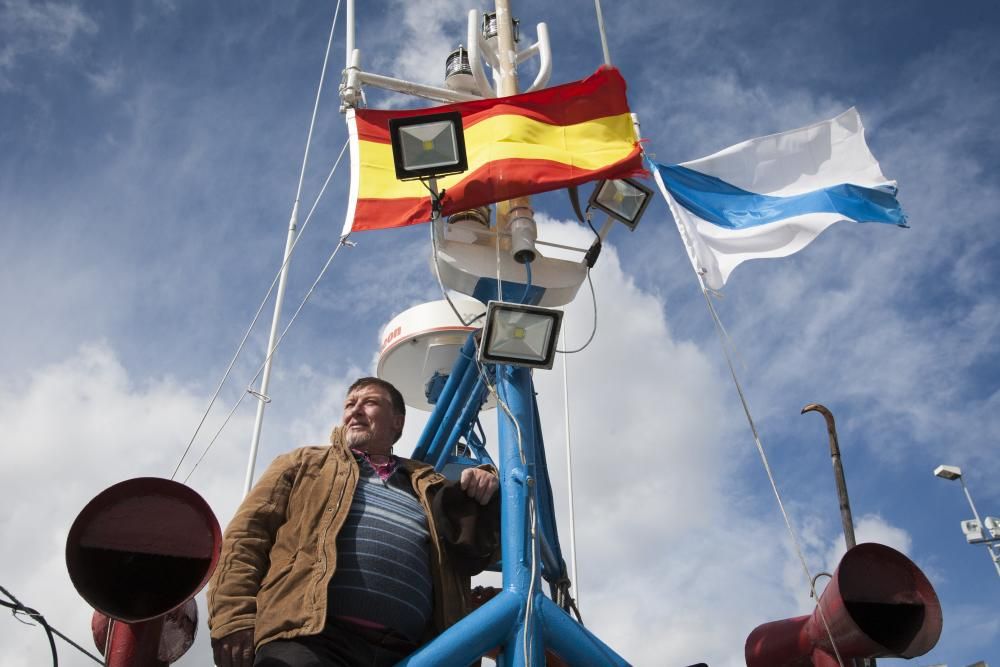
(771, 196)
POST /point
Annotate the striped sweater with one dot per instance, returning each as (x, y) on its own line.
(383, 552)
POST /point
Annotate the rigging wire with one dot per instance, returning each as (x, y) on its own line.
(260, 309)
(343, 242)
(726, 342)
(726, 345)
(17, 607)
(282, 282)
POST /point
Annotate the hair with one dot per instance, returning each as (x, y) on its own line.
(398, 404)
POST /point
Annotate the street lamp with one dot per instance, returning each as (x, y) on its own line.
(980, 533)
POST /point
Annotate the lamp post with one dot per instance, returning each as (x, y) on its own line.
(988, 537)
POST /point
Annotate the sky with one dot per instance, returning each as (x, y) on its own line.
(149, 159)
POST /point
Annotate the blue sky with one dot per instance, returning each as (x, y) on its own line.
(149, 156)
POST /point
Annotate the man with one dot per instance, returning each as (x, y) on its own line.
(335, 556)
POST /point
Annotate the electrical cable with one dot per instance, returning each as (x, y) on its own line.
(260, 309)
(437, 269)
(532, 513)
(527, 286)
(16, 607)
(593, 331)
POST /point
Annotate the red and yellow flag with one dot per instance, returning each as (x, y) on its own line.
(516, 146)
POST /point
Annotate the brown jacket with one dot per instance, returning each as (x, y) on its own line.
(279, 551)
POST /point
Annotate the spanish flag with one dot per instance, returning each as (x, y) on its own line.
(516, 146)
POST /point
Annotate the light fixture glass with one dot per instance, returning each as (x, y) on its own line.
(520, 335)
(623, 199)
(428, 145)
(457, 63)
(489, 28)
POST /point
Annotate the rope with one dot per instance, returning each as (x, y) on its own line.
(16, 607)
(604, 37)
(726, 342)
(343, 241)
(260, 309)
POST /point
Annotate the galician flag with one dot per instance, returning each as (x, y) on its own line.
(771, 196)
(516, 146)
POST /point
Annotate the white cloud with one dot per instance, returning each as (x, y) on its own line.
(107, 80)
(71, 430)
(38, 27)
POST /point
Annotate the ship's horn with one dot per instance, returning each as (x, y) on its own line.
(879, 604)
(138, 553)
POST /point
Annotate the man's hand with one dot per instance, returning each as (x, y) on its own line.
(234, 650)
(479, 484)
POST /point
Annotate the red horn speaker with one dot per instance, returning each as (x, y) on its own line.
(138, 553)
(879, 604)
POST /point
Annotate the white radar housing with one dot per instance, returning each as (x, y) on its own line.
(423, 341)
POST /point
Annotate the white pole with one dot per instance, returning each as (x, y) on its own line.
(265, 379)
(569, 470)
(349, 37)
(994, 555)
(293, 223)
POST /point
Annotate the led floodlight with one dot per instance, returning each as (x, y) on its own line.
(428, 145)
(623, 199)
(520, 335)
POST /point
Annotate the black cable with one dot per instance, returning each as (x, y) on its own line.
(18, 607)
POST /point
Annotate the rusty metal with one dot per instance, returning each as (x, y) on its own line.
(838, 472)
(879, 604)
(179, 628)
(138, 553)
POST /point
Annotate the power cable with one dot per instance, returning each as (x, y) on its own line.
(17, 607)
(593, 330)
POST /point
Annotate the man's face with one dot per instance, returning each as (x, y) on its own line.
(370, 423)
